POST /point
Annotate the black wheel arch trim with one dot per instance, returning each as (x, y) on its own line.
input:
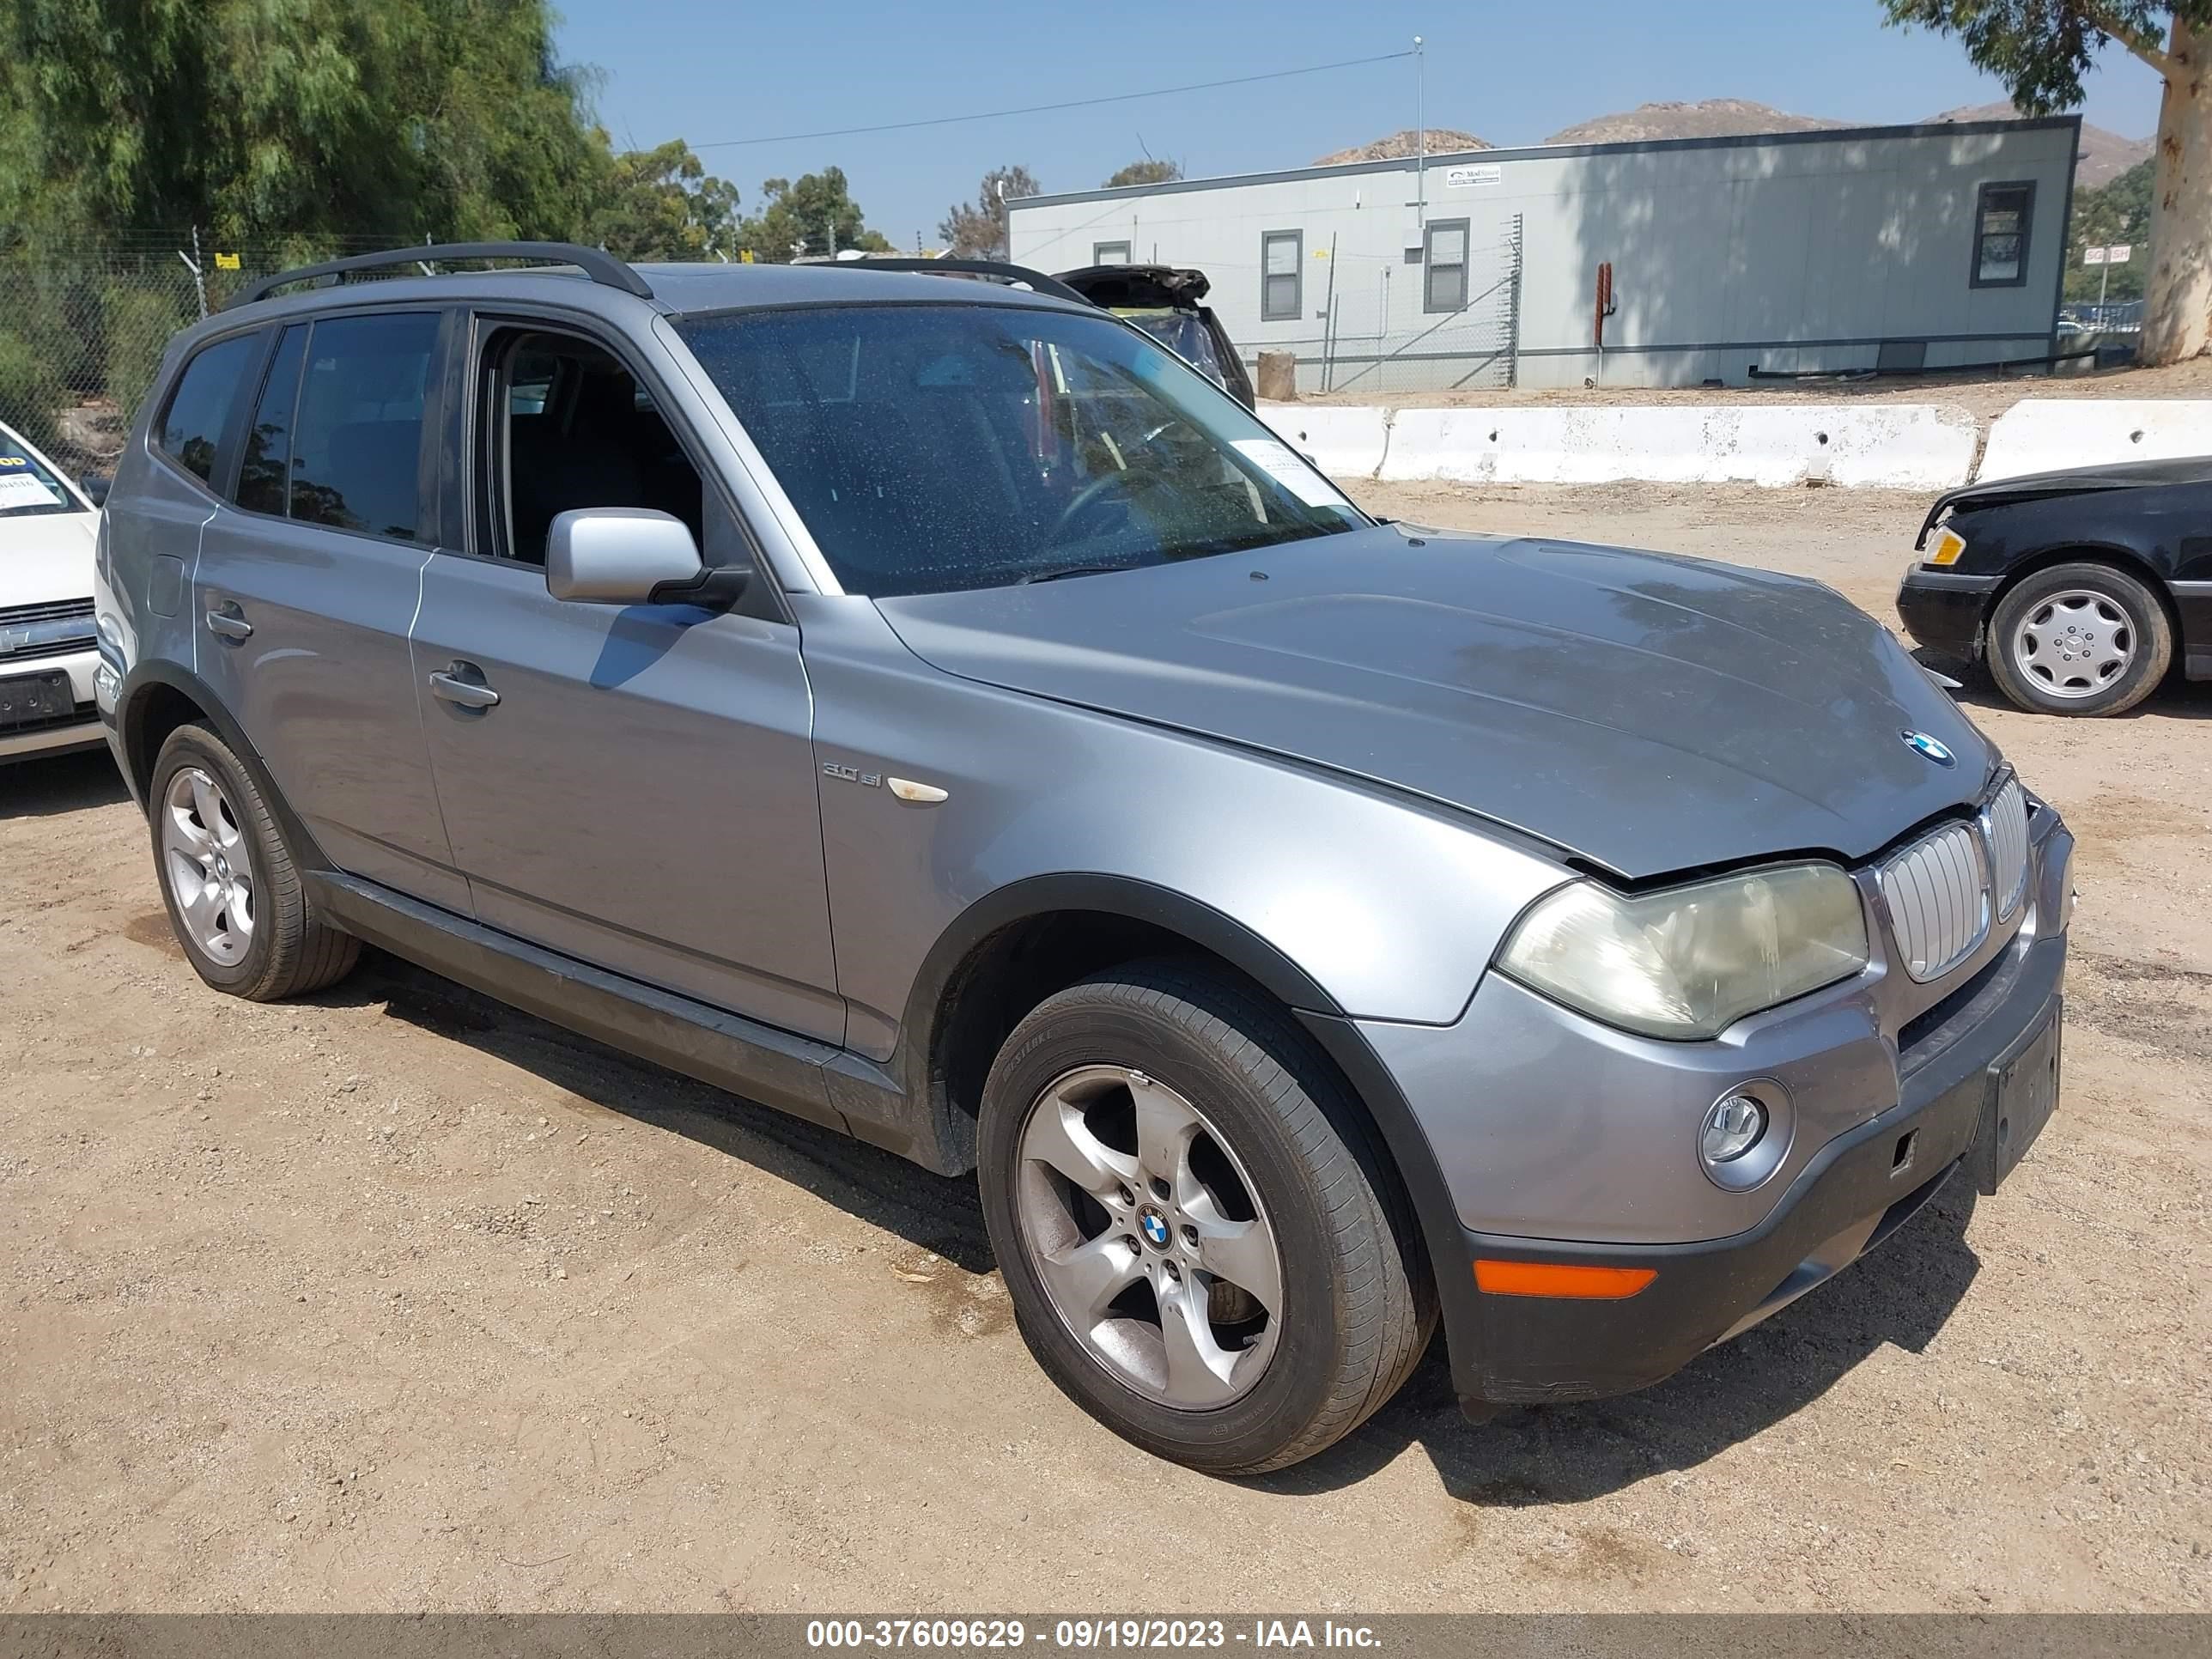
(137, 756)
(1035, 897)
(1404, 1139)
(1450, 1264)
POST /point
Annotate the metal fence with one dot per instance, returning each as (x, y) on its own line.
(1386, 326)
(83, 323)
(2120, 317)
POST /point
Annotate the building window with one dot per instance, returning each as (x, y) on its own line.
(1444, 263)
(1282, 253)
(2002, 221)
(1109, 254)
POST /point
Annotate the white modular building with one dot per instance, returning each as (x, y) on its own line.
(1673, 262)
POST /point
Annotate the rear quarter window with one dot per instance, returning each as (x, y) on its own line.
(192, 426)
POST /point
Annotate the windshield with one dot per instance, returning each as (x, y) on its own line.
(28, 488)
(932, 447)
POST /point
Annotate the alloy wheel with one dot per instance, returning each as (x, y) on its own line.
(206, 864)
(2073, 644)
(1148, 1236)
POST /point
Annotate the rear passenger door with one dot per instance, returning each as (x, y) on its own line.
(150, 531)
(639, 792)
(308, 579)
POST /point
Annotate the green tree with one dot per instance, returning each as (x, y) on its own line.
(664, 204)
(303, 119)
(31, 393)
(1146, 172)
(2040, 49)
(977, 230)
(813, 215)
(2117, 212)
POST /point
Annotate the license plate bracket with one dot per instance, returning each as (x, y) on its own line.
(35, 699)
(2021, 1094)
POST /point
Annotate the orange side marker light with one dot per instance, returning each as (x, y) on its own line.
(1559, 1278)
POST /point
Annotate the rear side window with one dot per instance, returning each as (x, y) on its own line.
(263, 480)
(355, 422)
(191, 427)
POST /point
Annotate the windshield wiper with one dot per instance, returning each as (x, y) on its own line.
(1058, 571)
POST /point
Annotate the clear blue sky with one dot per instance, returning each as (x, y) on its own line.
(708, 70)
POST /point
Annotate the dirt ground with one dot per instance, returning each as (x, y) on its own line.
(394, 1299)
(1983, 399)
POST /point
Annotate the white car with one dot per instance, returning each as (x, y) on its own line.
(48, 649)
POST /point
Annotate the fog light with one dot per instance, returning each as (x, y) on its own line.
(1733, 1127)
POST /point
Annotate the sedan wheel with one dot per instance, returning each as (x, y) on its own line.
(2080, 638)
(2075, 644)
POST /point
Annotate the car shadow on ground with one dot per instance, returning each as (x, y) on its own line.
(930, 1211)
(1899, 1297)
(2176, 698)
(47, 786)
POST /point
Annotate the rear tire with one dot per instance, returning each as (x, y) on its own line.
(2080, 638)
(229, 882)
(1191, 1344)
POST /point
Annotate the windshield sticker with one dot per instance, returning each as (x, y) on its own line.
(1278, 463)
(21, 490)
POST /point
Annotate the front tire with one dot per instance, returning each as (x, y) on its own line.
(229, 882)
(1204, 1246)
(2079, 639)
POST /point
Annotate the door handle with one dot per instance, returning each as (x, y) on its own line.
(463, 684)
(225, 623)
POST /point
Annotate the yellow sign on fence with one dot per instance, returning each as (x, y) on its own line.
(226, 262)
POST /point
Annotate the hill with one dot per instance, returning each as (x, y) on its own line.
(2103, 155)
(1715, 118)
(1443, 140)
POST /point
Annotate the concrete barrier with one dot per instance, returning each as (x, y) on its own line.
(2043, 435)
(1345, 441)
(1864, 445)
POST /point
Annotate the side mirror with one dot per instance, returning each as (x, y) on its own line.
(632, 556)
(96, 488)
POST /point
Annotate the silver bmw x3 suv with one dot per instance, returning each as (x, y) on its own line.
(926, 706)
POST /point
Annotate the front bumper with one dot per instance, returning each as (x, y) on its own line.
(1561, 1141)
(81, 729)
(1857, 1191)
(1943, 610)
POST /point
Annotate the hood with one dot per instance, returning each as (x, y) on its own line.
(2076, 481)
(1651, 714)
(46, 558)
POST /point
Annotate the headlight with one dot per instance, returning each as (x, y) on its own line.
(1691, 960)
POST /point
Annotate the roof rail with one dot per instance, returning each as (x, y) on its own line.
(597, 263)
(996, 269)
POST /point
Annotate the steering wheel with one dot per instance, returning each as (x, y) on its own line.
(1088, 497)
